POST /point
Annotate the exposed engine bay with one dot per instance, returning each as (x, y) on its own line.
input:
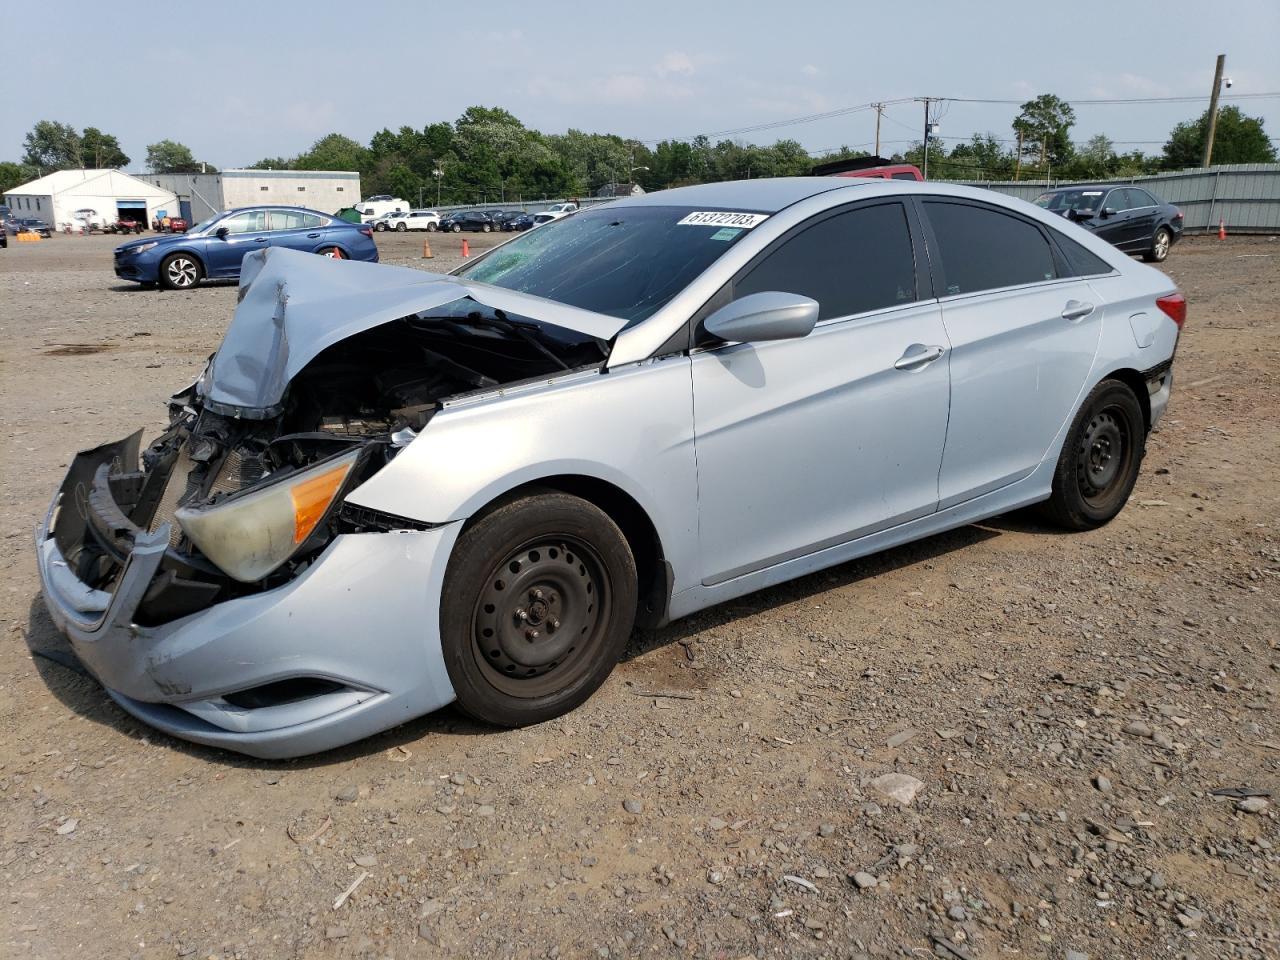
(250, 502)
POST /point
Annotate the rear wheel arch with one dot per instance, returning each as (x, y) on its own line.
(653, 571)
(1137, 383)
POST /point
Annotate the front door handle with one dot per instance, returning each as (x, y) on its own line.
(259, 239)
(1076, 310)
(917, 356)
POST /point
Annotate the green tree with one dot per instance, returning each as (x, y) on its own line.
(1236, 139)
(334, 152)
(101, 151)
(50, 145)
(1045, 125)
(169, 156)
(15, 175)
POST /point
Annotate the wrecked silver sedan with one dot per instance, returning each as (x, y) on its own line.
(392, 490)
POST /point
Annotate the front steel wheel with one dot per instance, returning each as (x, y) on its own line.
(1099, 463)
(181, 271)
(538, 602)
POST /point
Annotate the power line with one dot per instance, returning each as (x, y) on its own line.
(859, 108)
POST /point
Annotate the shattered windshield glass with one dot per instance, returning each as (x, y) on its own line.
(625, 262)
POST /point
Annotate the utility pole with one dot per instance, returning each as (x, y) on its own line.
(1213, 110)
(879, 111)
(925, 171)
(1017, 170)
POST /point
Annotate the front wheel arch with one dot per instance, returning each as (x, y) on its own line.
(653, 572)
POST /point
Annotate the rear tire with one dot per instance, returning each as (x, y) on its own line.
(1160, 244)
(401, 227)
(180, 271)
(333, 253)
(431, 228)
(538, 603)
(456, 228)
(1100, 459)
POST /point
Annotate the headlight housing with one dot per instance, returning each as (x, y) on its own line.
(140, 248)
(249, 535)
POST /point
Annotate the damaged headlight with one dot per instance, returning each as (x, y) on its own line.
(140, 248)
(249, 535)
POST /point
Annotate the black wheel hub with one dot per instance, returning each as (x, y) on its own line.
(538, 612)
(1103, 451)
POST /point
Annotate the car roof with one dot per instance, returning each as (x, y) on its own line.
(278, 206)
(766, 195)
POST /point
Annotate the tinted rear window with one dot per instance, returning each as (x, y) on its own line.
(850, 263)
(984, 249)
(1080, 262)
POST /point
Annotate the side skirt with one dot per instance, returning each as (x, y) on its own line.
(1032, 489)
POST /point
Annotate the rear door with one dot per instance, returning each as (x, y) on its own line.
(1023, 339)
(1142, 218)
(808, 443)
(294, 230)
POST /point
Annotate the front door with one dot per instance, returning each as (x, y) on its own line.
(804, 444)
(245, 232)
(1022, 338)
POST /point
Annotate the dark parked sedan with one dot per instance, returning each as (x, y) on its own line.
(30, 225)
(1130, 218)
(474, 220)
(518, 222)
(214, 249)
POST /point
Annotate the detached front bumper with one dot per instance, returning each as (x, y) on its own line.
(349, 648)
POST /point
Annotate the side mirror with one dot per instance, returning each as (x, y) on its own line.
(1108, 212)
(221, 233)
(764, 316)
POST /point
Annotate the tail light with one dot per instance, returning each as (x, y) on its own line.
(367, 231)
(1177, 214)
(1174, 306)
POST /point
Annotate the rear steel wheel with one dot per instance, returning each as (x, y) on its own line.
(1099, 463)
(538, 602)
(333, 253)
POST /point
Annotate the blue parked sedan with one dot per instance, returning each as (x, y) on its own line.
(213, 249)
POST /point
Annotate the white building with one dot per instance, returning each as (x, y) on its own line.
(112, 195)
(325, 190)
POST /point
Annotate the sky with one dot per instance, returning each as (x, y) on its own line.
(239, 81)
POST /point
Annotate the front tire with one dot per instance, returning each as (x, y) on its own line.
(538, 603)
(1160, 244)
(431, 228)
(1100, 460)
(401, 227)
(486, 227)
(456, 228)
(180, 271)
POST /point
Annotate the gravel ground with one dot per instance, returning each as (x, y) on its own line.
(997, 742)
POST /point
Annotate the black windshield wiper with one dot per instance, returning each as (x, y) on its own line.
(525, 331)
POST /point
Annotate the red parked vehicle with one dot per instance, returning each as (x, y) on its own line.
(876, 167)
(124, 226)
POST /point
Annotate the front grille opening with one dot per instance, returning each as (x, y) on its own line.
(281, 692)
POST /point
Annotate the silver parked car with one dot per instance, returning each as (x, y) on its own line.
(391, 490)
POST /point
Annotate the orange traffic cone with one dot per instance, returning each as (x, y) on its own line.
(426, 249)
(466, 249)
(1222, 229)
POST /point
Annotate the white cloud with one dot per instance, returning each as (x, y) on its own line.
(809, 70)
(675, 62)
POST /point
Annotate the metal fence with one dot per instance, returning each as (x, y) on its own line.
(1245, 196)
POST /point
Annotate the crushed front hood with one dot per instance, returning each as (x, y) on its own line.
(293, 305)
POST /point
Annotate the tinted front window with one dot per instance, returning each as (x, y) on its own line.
(626, 262)
(1119, 200)
(850, 263)
(983, 249)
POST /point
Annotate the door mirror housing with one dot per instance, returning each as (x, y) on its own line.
(1108, 212)
(764, 316)
(221, 233)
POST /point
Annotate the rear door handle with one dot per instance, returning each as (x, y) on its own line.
(917, 356)
(312, 236)
(1076, 310)
(259, 239)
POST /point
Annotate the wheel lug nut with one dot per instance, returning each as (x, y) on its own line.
(536, 594)
(531, 635)
(554, 625)
(522, 614)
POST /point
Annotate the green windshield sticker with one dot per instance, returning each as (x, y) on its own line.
(728, 233)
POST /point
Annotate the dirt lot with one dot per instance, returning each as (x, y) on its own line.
(1068, 702)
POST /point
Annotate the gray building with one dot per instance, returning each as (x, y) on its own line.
(201, 195)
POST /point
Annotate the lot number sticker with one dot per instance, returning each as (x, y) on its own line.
(721, 218)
